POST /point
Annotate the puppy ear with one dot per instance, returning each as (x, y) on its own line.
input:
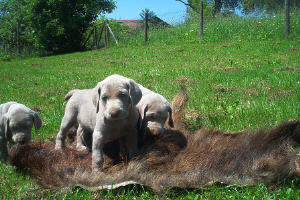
(139, 123)
(36, 120)
(5, 127)
(96, 96)
(98, 99)
(171, 122)
(142, 118)
(135, 92)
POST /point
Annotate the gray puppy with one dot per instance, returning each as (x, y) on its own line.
(116, 117)
(154, 110)
(16, 121)
(80, 109)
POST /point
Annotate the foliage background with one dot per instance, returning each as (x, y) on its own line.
(241, 75)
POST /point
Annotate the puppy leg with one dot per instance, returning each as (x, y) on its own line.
(123, 150)
(67, 122)
(97, 151)
(81, 145)
(3, 149)
(128, 144)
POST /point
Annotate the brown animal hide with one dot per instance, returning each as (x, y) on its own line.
(176, 159)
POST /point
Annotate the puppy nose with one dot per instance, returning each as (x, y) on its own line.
(114, 113)
(22, 140)
(156, 131)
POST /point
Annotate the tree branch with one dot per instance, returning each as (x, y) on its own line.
(189, 5)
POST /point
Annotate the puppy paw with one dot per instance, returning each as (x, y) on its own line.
(82, 148)
(96, 170)
(97, 166)
(58, 147)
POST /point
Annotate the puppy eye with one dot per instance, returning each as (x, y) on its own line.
(150, 117)
(104, 98)
(122, 94)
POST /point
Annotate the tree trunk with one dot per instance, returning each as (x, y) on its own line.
(287, 19)
(95, 37)
(201, 19)
(146, 27)
(18, 37)
(217, 8)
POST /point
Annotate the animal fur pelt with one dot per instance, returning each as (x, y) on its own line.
(177, 159)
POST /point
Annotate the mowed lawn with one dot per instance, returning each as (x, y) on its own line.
(232, 86)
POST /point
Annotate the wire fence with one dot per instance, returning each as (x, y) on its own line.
(223, 27)
(186, 27)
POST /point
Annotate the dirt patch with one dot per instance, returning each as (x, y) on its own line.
(43, 94)
(294, 49)
(251, 91)
(225, 68)
(288, 68)
(35, 64)
(192, 114)
(184, 79)
(85, 60)
(226, 45)
(224, 89)
(223, 46)
(279, 94)
(175, 50)
(116, 62)
(37, 109)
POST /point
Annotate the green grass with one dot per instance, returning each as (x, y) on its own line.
(233, 84)
(228, 28)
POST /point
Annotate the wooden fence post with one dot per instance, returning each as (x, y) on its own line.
(201, 19)
(105, 35)
(95, 37)
(18, 37)
(287, 19)
(84, 44)
(107, 24)
(101, 32)
(104, 29)
(146, 27)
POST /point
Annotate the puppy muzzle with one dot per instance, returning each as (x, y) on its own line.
(154, 131)
(116, 114)
(20, 138)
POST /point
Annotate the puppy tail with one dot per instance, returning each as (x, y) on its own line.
(178, 107)
(70, 94)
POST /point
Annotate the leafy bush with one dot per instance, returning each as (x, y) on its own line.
(60, 25)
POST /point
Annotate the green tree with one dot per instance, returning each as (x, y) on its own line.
(60, 25)
(151, 14)
(247, 6)
(15, 30)
(153, 20)
(267, 6)
(217, 5)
